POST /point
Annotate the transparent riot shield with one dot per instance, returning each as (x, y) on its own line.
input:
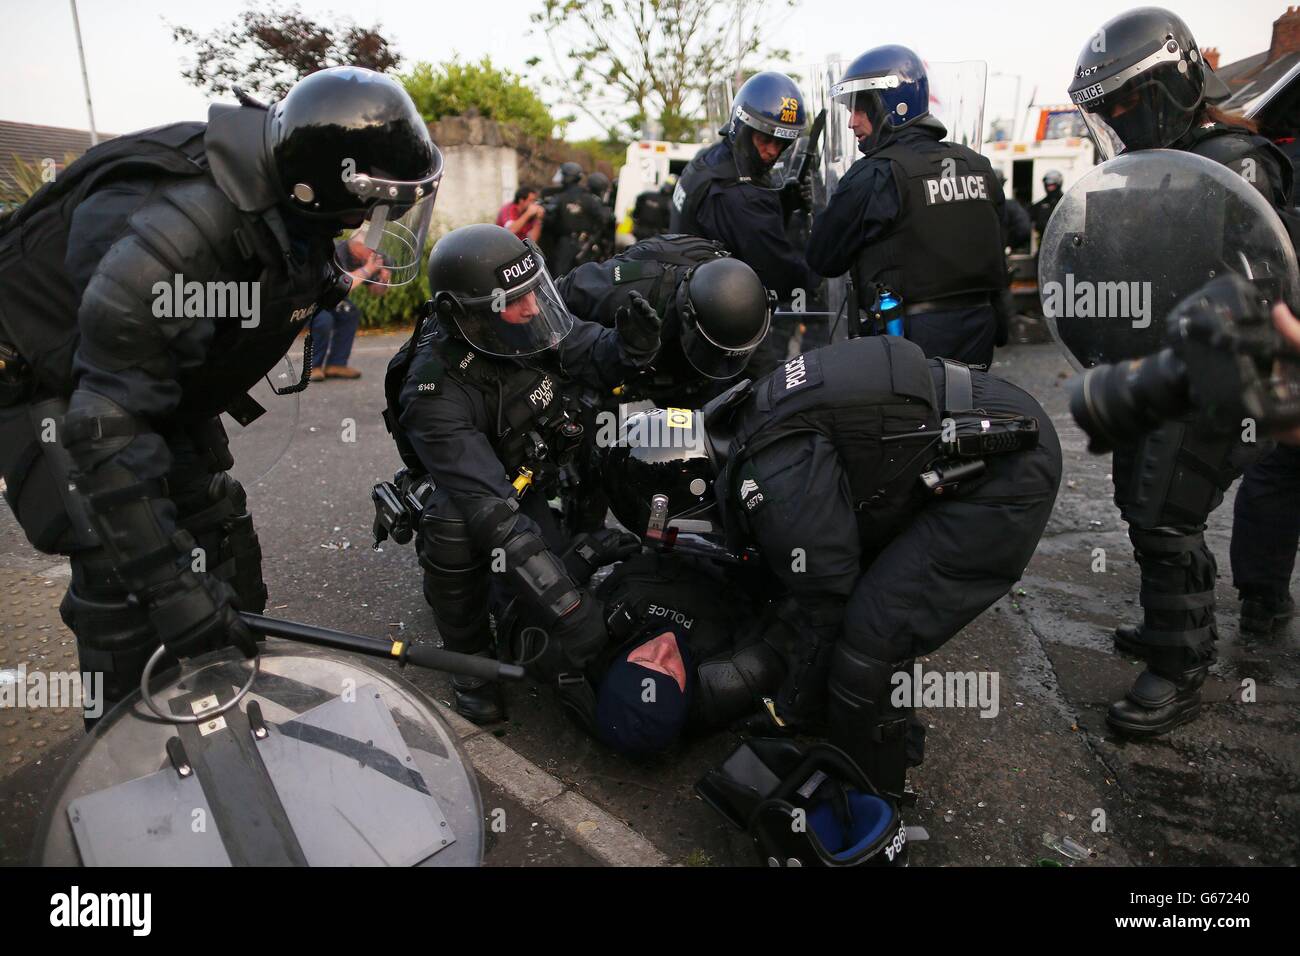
(957, 99)
(1137, 235)
(259, 445)
(717, 105)
(322, 759)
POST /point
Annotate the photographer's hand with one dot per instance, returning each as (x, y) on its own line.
(1289, 326)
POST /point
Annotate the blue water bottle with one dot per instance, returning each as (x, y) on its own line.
(888, 311)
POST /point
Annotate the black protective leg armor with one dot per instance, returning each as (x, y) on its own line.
(1166, 486)
(456, 587)
(863, 721)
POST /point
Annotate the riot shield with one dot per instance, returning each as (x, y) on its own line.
(327, 759)
(717, 106)
(1138, 234)
(258, 445)
(957, 99)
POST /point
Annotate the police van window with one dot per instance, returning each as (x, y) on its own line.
(1064, 124)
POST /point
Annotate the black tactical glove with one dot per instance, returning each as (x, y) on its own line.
(574, 642)
(806, 196)
(588, 552)
(638, 327)
(197, 613)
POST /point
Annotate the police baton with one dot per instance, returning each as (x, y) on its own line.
(422, 655)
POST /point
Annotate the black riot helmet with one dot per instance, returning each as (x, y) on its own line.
(567, 174)
(772, 104)
(1141, 81)
(495, 288)
(661, 466)
(349, 146)
(599, 184)
(725, 313)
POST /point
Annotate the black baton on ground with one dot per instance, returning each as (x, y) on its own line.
(422, 655)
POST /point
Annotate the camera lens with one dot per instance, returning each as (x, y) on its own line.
(1114, 404)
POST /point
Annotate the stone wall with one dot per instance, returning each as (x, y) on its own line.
(485, 162)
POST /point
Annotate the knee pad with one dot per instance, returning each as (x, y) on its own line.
(731, 687)
(455, 583)
(112, 634)
(444, 546)
(860, 681)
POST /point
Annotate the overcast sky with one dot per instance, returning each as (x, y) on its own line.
(134, 65)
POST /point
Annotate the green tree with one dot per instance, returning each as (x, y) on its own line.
(268, 50)
(29, 177)
(626, 65)
(454, 88)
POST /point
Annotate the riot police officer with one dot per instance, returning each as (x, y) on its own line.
(1016, 224)
(887, 537)
(715, 312)
(918, 215)
(729, 193)
(1042, 210)
(575, 221)
(602, 246)
(144, 293)
(1150, 88)
(476, 403)
(652, 212)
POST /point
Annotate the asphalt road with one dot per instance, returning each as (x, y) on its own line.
(993, 790)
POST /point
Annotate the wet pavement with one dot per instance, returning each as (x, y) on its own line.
(1042, 781)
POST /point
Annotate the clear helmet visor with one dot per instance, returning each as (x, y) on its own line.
(524, 314)
(389, 244)
(1149, 105)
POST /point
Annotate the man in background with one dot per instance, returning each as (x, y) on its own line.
(523, 215)
(334, 330)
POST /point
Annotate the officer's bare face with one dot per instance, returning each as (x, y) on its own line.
(767, 147)
(860, 123)
(522, 310)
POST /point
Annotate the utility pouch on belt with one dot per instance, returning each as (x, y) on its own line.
(967, 436)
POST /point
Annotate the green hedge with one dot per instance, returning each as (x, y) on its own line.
(398, 306)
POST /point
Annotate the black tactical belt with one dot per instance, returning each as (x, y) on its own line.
(948, 302)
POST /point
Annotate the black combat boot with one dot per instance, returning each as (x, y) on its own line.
(1128, 640)
(477, 700)
(459, 602)
(1166, 694)
(1264, 611)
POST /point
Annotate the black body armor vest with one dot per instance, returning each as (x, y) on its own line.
(531, 426)
(862, 395)
(947, 239)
